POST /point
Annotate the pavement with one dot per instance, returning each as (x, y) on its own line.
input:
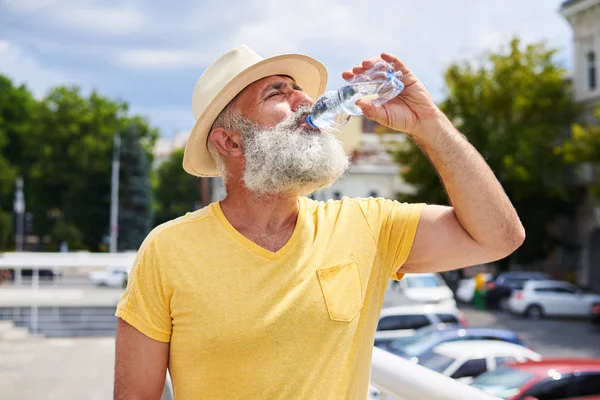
(63, 369)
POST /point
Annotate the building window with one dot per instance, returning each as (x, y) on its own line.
(591, 70)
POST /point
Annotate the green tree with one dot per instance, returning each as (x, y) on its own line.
(17, 128)
(70, 178)
(175, 192)
(583, 146)
(135, 199)
(515, 107)
(5, 225)
(68, 233)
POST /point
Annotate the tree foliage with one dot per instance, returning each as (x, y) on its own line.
(583, 146)
(175, 192)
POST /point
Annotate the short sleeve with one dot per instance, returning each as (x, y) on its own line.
(394, 226)
(145, 302)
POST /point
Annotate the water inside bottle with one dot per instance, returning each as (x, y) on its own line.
(356, 91)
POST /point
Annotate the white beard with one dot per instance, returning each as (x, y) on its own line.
(288, 158)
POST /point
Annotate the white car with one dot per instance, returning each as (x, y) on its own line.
(466, 360)
(404, 321)
(551, 298)
(111, 278)
(429, 288)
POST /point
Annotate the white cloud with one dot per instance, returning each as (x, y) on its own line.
(22, 68)
(3, 46)
(84, 16)
(28, 7)
(108, 21)
(162, 59)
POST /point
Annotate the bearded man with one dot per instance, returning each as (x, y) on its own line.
(268, 294)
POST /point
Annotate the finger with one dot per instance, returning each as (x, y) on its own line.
(370, 62)
(358, 70)
(398, 64)
(348, 74)
(372, 111)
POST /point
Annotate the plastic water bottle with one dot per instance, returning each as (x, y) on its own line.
(380, 84)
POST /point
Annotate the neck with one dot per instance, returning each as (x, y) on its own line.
(268, 214)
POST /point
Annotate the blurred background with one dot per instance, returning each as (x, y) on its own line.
(95, 109)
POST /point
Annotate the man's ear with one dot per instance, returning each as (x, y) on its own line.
(228, 143)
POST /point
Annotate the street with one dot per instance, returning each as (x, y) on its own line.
(549, 337)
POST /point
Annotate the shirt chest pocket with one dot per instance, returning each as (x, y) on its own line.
(342, 290)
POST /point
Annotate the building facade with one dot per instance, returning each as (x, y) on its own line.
(584, 18)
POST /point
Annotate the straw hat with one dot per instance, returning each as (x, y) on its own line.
(227, 77)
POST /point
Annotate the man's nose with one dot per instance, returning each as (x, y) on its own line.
(301, 99)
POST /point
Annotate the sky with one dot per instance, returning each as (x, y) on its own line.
(151, 53)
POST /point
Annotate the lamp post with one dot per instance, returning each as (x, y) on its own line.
(19, 209)
(114, 195)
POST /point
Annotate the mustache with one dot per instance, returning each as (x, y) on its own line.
(292, 121)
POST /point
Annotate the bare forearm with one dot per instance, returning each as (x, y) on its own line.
(140, 364)
(479, 201)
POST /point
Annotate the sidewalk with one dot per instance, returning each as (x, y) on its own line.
(62, 369)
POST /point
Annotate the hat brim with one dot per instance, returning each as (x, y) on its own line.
(307, 72)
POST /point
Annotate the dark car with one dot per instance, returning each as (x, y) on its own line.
(548, 379)
(424, 340)
(500, 289)
(595, 313)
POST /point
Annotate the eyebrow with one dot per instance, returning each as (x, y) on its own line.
(278, 86)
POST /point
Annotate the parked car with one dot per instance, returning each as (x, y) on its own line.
(111, 277)
(402, 321)
(421, 332)
(499, 290)
(467, 360)
(595, 313)
(425, 339)
(544, 380)
(428, 288)
(551, 298)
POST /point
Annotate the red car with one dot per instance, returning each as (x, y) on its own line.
(549, 379)
(595, 313)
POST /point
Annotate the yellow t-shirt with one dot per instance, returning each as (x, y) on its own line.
(247, 323)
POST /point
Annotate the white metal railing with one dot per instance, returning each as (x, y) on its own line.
(52, 294)
(168, 389)
(400, 379)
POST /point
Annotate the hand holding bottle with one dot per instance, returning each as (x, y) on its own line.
(411, 111)
(379, 83)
